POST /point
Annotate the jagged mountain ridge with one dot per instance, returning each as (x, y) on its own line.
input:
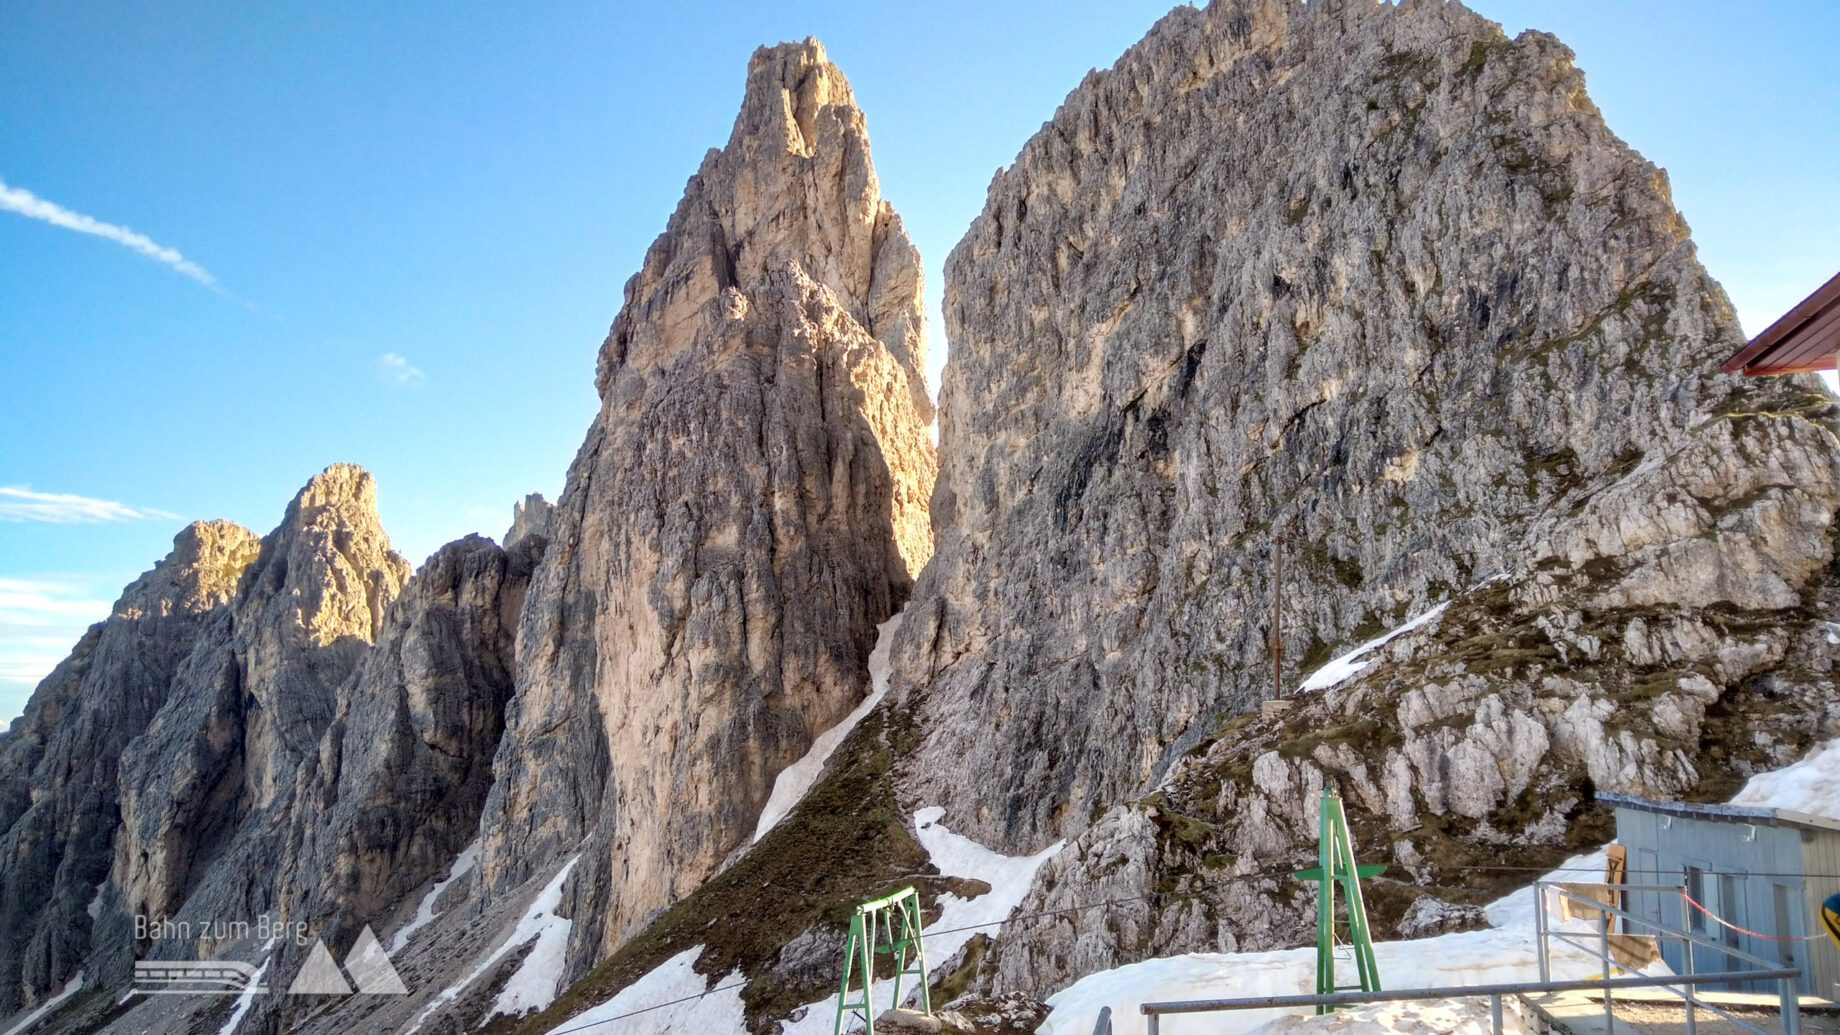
(1471, 359)
(59, 810)
(1468, 336)
(749, 505)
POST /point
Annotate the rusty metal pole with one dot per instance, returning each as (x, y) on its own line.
(1277, 600)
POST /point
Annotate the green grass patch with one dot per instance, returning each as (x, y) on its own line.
(844, 844)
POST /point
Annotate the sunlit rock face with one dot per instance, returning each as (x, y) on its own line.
(749, 504)
(1376, 279)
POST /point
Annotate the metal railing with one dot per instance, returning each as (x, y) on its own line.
(1599, 948)
(1494, 993)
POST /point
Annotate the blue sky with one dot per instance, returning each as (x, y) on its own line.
(395, 234)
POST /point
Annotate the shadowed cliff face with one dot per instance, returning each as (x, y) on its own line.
(59, 809)
(215, 771)
(1375, 278)
(403, 771)
(320, 752)
(748, 505)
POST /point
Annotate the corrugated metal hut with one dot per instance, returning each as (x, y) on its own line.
(1760, 870)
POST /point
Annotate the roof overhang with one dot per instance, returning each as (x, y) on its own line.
(1804, 340)
(1725, 813)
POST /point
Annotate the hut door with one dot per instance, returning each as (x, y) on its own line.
(1648, 871)
(1731, 907)
(1783, 902)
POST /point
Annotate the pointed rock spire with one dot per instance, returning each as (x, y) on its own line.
(750, 503)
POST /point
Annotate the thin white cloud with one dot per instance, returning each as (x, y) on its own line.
(398, 370)
(30, 205)
(41, 618)
(20, 503)
(49, 602)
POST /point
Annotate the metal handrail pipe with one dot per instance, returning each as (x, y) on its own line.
(1684, 989)
(1460, 991)
(1661, 931)
(1104, 1025)
(1720, 947)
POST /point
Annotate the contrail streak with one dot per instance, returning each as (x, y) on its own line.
(30, 205)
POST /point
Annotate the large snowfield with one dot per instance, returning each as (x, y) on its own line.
(672, 982)
(1502, 953)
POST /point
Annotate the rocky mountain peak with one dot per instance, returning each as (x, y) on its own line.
(328, 570)
(794, 189)
(200, 574)
(533, 516)
(787, 86)
(1372, 279)
(750, 503)
(59, 792)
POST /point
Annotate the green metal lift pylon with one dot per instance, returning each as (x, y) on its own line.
(1335, 863)
(889, 926)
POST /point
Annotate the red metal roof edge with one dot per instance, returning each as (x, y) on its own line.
(1826, 295)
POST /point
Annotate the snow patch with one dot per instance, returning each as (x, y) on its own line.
(94, 909)
(539, 921)
(790, 786)
(1810, 786)
(1499, 955)
(424, 913)
(956, 855)
(533, 987)
(676, 1000)
(247, 997)
(1422, 1017)
(71, 987)
(1350, 663)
